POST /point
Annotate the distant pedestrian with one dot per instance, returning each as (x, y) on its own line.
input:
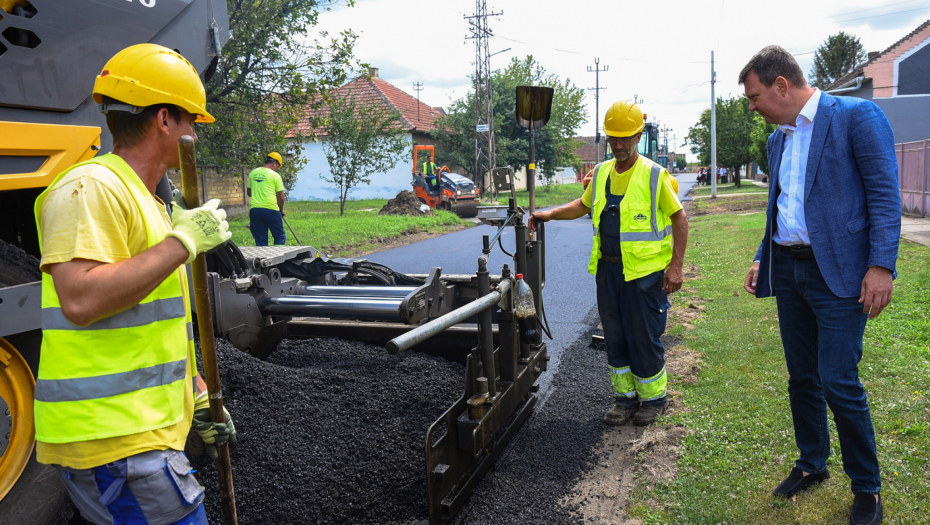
(266, 211)
(828, 256)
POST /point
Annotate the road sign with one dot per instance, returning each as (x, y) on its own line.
(482, 127)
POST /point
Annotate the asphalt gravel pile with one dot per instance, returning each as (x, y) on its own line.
(405, 203)
(330, 431)
(17, 266)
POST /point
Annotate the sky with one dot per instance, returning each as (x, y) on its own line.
(656, 50)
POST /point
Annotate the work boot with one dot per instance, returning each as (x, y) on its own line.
(619, 415)
(648, 413)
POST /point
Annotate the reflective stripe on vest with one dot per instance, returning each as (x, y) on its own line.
(125, 373)
(638, 258)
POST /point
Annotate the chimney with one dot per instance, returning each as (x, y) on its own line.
(873, 54)
(373, 72)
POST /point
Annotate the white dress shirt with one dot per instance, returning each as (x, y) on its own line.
(791, 227)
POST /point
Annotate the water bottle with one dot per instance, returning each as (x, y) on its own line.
(525, 309)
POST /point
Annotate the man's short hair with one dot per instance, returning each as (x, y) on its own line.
(129, 129)
(773, 62)
(269, 160)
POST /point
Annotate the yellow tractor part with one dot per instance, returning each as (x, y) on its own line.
(62, 146)
(17, 388)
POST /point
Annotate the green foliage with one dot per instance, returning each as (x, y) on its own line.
(699, 138)
(557, 195)
(555, 147)
(362, 139)
(735, 124)
(838, 55)
(269, 72)
(759, 143)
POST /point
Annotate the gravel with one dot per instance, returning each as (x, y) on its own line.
(330, 431)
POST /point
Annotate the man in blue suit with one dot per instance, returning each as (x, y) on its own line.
(828, 256)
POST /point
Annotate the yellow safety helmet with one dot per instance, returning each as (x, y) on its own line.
(623, 119)
(276, 156)
(147, 74)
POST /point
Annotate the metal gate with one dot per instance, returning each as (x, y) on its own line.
(914, 177)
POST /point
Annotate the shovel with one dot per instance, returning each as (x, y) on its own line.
(190, 186)
(292, 230)
(534, 105)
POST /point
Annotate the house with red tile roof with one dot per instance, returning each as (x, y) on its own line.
(416, 121)
(898, 81)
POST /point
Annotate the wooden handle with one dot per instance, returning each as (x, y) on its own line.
(193, 198)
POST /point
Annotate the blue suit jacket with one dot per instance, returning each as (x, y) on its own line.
(852, 203)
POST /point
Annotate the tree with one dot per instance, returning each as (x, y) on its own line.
(838, 55)
(362, 139)
(265, 78)
(699, 138)
(735, 124)
(555, 146)
(759, 147)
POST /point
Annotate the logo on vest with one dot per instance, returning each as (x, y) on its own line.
(640, 217)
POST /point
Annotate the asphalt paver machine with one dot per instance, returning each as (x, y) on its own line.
(262, 295)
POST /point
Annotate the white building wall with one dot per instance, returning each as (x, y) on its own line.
(310, 187)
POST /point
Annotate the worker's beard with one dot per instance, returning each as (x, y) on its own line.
(624, 157)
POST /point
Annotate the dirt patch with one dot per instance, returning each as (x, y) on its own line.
(405, 203)
(630, 456)
(736, 204)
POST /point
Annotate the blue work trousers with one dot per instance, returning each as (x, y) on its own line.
(261, 220)
(633, 315)
(822, 337)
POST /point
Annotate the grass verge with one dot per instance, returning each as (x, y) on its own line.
(741, 441)
(723, 189)
(552, 195)
(319, 224)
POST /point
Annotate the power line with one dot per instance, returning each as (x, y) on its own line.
(869, 9)
(886, 14)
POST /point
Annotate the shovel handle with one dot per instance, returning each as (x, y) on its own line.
(193, 198)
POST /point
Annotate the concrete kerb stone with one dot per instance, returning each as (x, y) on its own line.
(916, 229)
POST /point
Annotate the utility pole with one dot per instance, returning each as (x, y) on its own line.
(713, 130)
(484, 108)
(597, 112)
(418, 87)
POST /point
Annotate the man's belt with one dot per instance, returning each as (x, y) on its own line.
(615, 260)
(798, 251)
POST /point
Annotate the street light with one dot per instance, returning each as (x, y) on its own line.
(499, 52)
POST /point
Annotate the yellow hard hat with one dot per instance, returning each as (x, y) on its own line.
(147, 74)
(276, 156)
(623, 119)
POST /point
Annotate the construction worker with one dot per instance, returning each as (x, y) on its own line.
(635, 214)
(430, 171)
(118, 389)
(266, 208)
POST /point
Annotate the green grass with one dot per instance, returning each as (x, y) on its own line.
(552, 195)
(722, 189)
(742, 441)
(319, 224)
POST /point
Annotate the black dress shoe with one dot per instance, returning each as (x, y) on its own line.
(865, 510)
(798, 482)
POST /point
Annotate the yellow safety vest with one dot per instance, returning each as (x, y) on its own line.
(431, 165)
(645, 232)
(122, 374)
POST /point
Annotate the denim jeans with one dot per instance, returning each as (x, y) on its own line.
(822, 337)
(261, 220)
(633, 315)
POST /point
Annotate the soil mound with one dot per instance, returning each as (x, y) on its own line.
(405, 203)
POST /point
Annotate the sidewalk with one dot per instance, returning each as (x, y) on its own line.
(916, 229)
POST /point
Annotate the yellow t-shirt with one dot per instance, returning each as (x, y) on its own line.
(90, 214)
(667, 200)
(265, 185)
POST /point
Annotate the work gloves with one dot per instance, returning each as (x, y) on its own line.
(201, 229)
(212, 433)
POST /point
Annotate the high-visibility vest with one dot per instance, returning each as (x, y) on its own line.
(122, 374)
(645, 232)
(431, 166)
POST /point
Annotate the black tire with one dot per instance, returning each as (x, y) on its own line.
(38, 497)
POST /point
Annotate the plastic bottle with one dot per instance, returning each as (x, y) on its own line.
(525, 309)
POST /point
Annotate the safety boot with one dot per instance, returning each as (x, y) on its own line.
(648, 413)
(619, 415)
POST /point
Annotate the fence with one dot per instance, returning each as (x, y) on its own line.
(228, 188)
(914, 177)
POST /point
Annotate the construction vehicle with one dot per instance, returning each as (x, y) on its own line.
(260, 295)
(443, 189)
(50, 54)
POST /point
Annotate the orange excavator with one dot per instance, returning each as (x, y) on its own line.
(439, 188)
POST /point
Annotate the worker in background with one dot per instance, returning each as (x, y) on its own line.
(635, 214)
(266, 208)
(115, 394)
(430, 173)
